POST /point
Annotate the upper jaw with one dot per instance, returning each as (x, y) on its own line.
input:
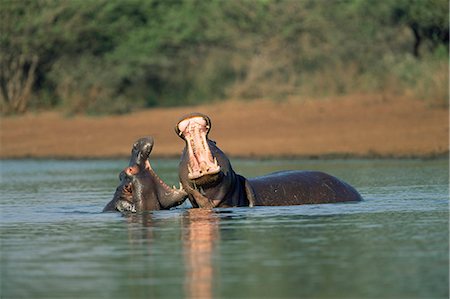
(194, 129)
(181, 125)
(141, 151)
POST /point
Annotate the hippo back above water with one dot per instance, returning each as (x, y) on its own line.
(300, 187)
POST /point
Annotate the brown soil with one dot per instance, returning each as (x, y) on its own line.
(356, 126)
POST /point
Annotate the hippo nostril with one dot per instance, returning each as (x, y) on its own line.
(132, 170)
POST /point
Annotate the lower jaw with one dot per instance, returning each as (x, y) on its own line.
(207, 180)
(199, 175)
(200, 159)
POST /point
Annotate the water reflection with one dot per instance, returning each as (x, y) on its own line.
(199, 239)
(140, 228)
(199, 230)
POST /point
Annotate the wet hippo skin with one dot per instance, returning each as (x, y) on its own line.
(140, 187)
(207, 176)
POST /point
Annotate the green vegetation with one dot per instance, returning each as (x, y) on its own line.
(103, 56)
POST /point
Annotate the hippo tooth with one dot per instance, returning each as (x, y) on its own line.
(215, 162)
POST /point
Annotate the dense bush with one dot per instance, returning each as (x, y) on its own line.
(102, 56)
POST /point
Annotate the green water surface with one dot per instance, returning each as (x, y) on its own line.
(56, 243)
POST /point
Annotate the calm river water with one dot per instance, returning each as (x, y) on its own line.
(56, 243)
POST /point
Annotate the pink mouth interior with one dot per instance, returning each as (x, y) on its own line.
(201, 161)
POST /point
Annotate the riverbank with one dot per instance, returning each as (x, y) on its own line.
(352, 126)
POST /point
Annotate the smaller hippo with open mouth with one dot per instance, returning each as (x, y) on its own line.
(140, 187)
(210, 181)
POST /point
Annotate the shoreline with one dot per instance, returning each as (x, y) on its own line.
(338, 156)
(358, 126)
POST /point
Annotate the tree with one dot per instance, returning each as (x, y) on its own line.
(18, 62)
(427, 19)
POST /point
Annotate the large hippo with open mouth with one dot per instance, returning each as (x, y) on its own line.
(208, 177)
(140, 187)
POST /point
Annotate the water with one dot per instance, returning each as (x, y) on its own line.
(56, 243)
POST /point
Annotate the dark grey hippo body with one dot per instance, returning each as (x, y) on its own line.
(300, 187)
(210, 181)
(140, 187)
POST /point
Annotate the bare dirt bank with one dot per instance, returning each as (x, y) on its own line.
(355, 126)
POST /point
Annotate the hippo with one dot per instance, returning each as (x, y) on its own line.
(208, 178)
(140, 187)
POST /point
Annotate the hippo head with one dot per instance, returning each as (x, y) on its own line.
(205, 171)
(123, 200)
(140, 187)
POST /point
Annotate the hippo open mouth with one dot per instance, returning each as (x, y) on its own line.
(194, 130)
